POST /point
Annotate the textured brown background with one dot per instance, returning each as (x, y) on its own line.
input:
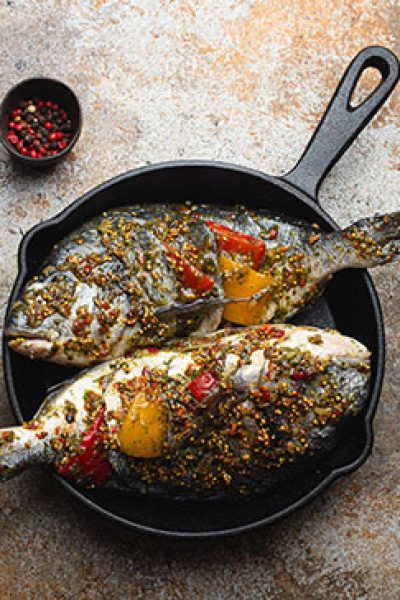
(238, 81)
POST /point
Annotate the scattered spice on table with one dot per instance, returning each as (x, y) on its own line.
(39, 128)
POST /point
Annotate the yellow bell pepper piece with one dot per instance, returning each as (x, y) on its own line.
(144, 428)
(242, 281)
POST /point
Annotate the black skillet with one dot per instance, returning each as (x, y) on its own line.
(357, 314)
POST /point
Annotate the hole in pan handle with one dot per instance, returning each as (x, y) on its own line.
(342, 122)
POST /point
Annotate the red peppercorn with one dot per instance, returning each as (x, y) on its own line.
(32, 141)
(265, 394)
(12, 137)
(302, 375)
(273, 234)
(276, 333)
(298, 375)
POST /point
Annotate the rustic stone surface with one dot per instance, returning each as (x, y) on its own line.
(238, 81)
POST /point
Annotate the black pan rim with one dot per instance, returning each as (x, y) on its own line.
(332, 476)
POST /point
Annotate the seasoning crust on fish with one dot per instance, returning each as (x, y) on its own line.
(139, 276)
(228, 414)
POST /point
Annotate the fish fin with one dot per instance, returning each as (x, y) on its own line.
(19, 448)
(370, 242)
(181, 309)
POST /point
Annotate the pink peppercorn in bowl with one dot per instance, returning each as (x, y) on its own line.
(40, 121)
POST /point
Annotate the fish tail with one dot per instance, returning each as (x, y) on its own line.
(369, 242)
(19, 448)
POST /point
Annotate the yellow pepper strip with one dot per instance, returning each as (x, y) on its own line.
(240, 281)
(144, 429)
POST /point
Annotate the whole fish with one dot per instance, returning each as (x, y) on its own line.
(229, 414)
(143, 275)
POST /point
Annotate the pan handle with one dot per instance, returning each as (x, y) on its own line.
(342, 122)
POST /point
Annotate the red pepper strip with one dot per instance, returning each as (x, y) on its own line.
(192, 277)
(238, 243)
(202, 385)
(89, 461)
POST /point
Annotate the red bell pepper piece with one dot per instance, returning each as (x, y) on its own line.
(192, 277)
(202, 385)
(238, 243)
(89, 460)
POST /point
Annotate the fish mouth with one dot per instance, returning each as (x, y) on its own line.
(38, 345)
(32, 347)
(30, 343)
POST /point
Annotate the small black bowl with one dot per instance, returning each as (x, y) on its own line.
(48, 89)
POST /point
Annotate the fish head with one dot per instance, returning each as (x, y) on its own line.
(310, 376)
(67, 320)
